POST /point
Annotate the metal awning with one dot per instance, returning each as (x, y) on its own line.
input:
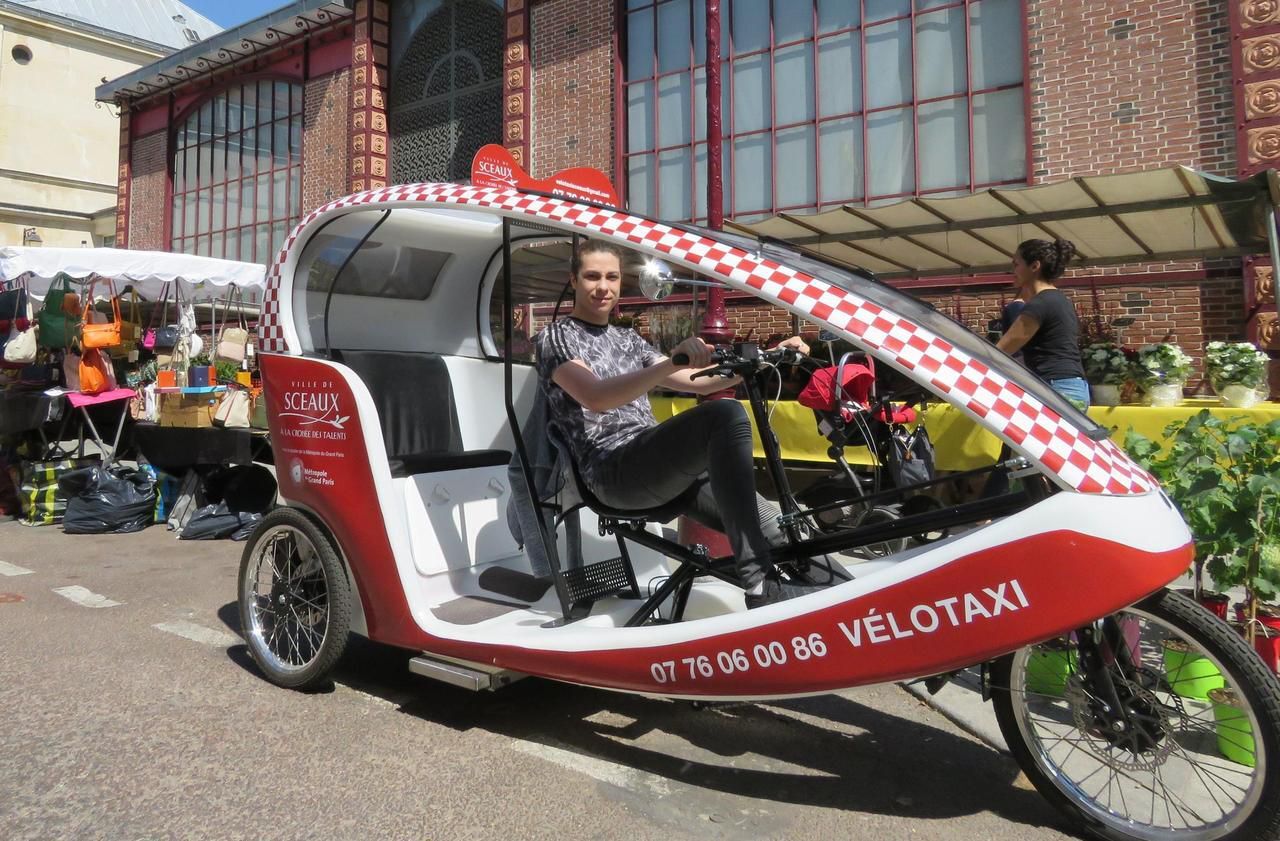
(226, 48)
(1133, 217)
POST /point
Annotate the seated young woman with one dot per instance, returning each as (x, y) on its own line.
(597, 377)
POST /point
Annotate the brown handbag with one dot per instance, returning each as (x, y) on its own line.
(101, 335)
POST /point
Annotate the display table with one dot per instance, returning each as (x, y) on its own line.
(960, 443)
(175, 449)
(23, 411)
(119, 396)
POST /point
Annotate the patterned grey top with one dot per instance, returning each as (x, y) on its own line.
(608, 352)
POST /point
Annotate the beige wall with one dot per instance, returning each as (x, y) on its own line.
(58, 148)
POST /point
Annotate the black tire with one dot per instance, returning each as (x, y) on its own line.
(297, 631)
(1184, 739)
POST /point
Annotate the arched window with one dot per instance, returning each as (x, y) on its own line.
(446, 92)
(237, 173)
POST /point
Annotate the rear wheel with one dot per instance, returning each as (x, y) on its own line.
(295, 603)
(1149, 745)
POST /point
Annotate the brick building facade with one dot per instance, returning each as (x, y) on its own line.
(1107, 90)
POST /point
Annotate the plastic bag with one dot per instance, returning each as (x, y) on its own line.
(115, 500)
(216, 522)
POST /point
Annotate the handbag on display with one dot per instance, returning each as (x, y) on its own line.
(71, 370)
(55, 327)
(130, 331)
(36, 375)
(233, 341)
(96, 375)
(165, 336)
(104, 335)
(234, 410)
(19, 337)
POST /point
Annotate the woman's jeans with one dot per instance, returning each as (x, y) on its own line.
(713, 441)
(1074, 389)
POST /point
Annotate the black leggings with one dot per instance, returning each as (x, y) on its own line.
(712, 439)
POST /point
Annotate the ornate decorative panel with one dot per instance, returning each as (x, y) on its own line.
(446, 93)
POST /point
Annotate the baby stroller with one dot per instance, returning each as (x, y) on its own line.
(852, 412)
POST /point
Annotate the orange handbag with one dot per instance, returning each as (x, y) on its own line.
(96, 375)
(101, 335)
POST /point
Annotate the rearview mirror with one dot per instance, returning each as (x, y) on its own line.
(657, 281)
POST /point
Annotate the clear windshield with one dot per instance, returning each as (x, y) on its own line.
(923, 314)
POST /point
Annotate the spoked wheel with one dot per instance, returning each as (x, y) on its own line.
(859, 517)
(295, 603)
(1140, 746)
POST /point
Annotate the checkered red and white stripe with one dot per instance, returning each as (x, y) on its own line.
(995, 401)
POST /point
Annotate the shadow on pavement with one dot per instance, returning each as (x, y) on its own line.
(842, 754)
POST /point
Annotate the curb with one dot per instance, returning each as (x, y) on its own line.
(960, 702)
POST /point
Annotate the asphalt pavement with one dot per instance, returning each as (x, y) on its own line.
(130, 710)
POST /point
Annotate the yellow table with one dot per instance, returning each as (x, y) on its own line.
(960, 443)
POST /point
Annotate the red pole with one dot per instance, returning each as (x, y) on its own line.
(715, 321)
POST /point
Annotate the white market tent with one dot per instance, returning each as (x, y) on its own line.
(200, 278)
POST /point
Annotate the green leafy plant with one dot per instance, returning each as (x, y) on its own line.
(1235, 363)
(1106, 363)
(1224, 476)
(226, 371)
(1161, 364)
(200, 359)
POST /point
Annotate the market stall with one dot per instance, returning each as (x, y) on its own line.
(124, 348)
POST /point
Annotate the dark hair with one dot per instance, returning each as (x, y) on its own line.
(1053, 256)
(594, 246)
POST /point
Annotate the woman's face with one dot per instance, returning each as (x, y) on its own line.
(1024, 273)
(597, 286)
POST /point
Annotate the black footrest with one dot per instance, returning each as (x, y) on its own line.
(595, 581)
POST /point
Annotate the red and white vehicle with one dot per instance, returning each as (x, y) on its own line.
(386, 386)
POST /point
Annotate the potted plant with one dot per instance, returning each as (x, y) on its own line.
(1162, 369)
(1235, 734)
(1107, 368)
(1238, 373)
(1224, 476)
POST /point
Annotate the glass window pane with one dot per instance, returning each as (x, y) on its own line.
(216, 247)
(175, 223)
(640, 184)
(674, 117)
(837, 14)
(263, 149)
(281, 143)
(751, 93)
(944, 144)
(233, 110)
(249, 152)
(233, 204)
(295, 192)
(249, 95)
(179, 174)
(995, 41)
(940, 53)
(839, 75)
(673, 36)
(263, 211)
(999, 137)
(189, 214)
(925, 5)
(295, 141)
(233, 245)
(640, 44)
(840, 152)
(219, 159)
(889, 64)
(246, 246)
(278, 231)
(890, 152)
(281, 109)
(639, 116)
(882, 9)
(233, 156)
(700, 31)
(219, 115)
(189, 159)
(206, 210)
(262, 242)
(675, 184)
(797, 168)
(700, 102)
(792, 20)
(280, 194)
(793, 77)
(206, 121)
(246, 201)
(218, 199)
(752, 174)
(265, 97)
(750, 21)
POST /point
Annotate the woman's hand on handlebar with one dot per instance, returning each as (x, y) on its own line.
(795, 343)
(692, 353)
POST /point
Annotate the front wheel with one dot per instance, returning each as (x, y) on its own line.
(295, 602)
(1168, 728)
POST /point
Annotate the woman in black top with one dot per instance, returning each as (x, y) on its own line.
(1047, 330)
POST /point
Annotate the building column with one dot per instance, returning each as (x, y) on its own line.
(515, 82)
(123, 174)
(371, 37)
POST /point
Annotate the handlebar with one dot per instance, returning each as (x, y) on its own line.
(741, 360)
